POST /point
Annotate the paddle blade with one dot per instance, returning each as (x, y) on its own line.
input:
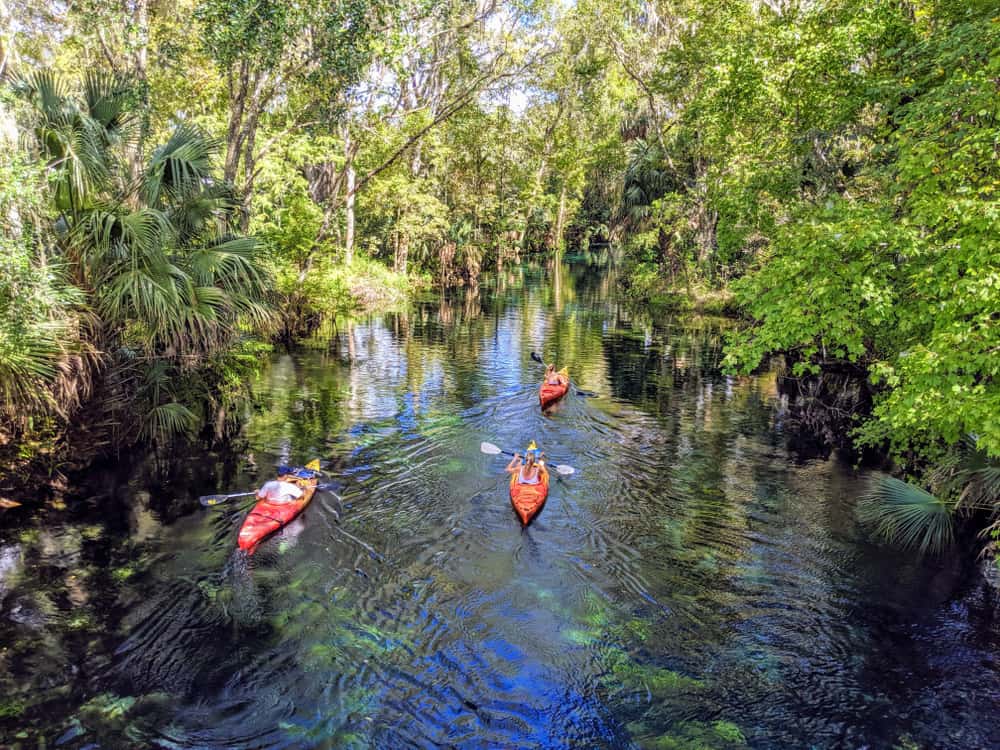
(564, 469)
(209, 500)
(490, 449)
(313, 465)
(538, 359)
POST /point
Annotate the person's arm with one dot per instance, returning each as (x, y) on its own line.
(515, 464)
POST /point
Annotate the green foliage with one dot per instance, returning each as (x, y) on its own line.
(903, 280)
(167, 281)
(908, 516)
(37, 307)
(238, 31)
(825, 291)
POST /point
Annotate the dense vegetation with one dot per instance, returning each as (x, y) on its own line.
(238, 171)
(194, 196)
(838, 164)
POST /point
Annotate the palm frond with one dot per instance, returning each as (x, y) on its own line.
(906, 515)
(105, 98)
(107, 240)
(233, 264)
(970, 474)
(202, 214)
(166, 421)
(181, 165)
(144, 295)
(49, 92)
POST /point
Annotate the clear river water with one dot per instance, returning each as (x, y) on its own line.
(696, 583)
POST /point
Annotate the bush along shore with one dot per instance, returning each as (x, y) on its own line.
(835, 170)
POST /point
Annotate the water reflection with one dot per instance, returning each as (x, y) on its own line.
(690, 587)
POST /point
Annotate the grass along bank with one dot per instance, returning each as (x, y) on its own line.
(328, 289)
(643, 283)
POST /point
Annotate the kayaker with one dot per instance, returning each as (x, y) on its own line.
(552, 377)
(278, 491)
(527, 469)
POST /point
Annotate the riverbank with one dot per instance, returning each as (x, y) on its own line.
(643, 284)
(41, 461)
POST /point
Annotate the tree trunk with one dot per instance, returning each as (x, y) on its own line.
(6, 40)
(561, 219)
(668, 259)
(402, 251)
(249, 167)
(706, 233)
(140, 20)
(351, 181)
(246, 102)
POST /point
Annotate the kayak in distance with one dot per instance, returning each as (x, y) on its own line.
(549, 393)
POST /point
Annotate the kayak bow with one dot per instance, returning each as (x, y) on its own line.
(528, 499)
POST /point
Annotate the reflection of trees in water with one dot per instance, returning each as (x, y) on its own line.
(646, 361)
(819, 412)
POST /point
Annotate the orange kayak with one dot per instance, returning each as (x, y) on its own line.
(549, 394)
(528, 499)
(267, 517)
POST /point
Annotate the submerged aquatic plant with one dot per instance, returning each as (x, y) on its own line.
(691, 735)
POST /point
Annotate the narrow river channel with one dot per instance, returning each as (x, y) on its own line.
(693, 585)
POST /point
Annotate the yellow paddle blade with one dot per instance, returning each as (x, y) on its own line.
(313, 465)
(564, 371)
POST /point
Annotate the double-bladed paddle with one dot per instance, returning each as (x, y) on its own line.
(209, 500)
(492, 450)
(579, 392)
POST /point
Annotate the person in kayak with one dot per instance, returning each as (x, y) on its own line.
(278, 492)
(552, 377)
(528, 469)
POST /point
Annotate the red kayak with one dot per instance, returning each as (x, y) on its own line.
(267, 517)
(549, 394)
(528, 499)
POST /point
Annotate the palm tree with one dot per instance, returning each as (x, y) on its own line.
(168, 281)
(645, 180)
(966, 483)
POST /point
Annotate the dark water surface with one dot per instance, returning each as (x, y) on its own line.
(694, 585)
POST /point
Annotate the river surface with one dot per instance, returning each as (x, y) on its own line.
(695, 584)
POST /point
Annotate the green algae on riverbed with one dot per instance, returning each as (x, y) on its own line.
(690, 735)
